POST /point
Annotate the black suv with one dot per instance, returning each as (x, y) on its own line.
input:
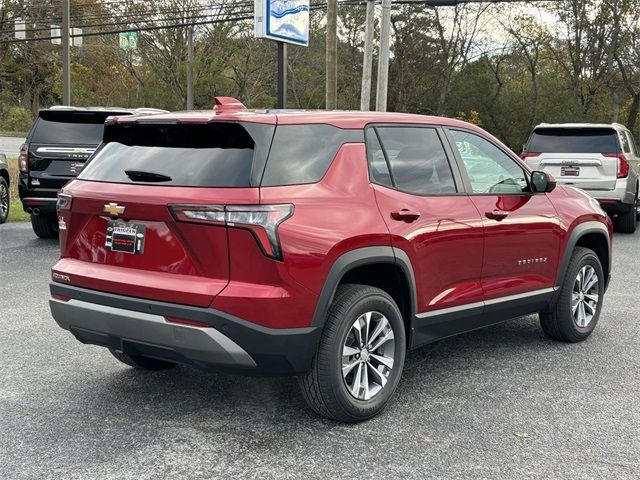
(56, 149)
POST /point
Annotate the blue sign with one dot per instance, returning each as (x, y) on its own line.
(283, 20)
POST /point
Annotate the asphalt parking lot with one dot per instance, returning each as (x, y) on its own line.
(503, 402)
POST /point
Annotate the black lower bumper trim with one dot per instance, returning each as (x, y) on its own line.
(275, 351)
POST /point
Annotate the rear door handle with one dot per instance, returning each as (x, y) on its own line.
(497, 215)
(405, 215)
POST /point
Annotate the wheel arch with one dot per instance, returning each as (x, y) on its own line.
(594, 236)
(384, 267)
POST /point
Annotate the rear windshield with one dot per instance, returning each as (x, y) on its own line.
(210, 155)
(573, 140)
(74, 128)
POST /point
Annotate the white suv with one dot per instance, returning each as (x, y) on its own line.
(601, 159)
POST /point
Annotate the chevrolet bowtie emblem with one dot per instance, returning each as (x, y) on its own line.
(113, 209)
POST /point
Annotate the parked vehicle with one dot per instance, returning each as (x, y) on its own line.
(319, 244)
(5, 183)
(600, 159)
(56, 149)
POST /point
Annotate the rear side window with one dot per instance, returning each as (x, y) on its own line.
(209, 155)
(377, 162)
(303, 153)
(418, 161)
(574, 140)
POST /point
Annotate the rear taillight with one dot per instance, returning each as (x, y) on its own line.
(623, 164)
(64, 202)
(23, 158)
(261, 220)
(525, 155)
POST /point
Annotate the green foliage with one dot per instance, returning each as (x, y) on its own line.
(16, 119)
(445, 61)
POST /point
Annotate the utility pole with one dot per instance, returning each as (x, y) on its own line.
(66, 62)
(331, 101)
(367, 63)
(190, 67)
(383, 60)
(282, 75)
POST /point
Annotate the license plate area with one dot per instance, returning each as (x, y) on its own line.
(570, 171)
(125, 237)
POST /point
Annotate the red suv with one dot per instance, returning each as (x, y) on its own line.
(319, 244)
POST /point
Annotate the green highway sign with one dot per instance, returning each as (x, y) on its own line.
(128, 40)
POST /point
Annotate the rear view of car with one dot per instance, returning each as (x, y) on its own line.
(598, 158)
(56, 149)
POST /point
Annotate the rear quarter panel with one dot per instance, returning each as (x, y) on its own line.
(332, 217)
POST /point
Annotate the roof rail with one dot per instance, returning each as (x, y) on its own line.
(115, 110)
(226, 104)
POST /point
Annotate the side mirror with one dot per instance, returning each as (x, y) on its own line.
(542, 182)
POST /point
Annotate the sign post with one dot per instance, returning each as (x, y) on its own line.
(285, 21)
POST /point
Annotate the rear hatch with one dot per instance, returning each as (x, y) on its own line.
(60, 143)
(122, 231)
(585, 157)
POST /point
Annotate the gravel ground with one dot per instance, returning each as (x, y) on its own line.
(503, 402)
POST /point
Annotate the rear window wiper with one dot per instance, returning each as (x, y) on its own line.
(141, 176)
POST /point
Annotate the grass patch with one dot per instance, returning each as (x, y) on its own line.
(16, 213)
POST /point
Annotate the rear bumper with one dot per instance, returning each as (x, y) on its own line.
(33, 197)
(36, 196)
(614, 206)
(618, 200)
(138, 327)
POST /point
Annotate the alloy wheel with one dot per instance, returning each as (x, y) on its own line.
(4, 201)
(585, 297)
(368, 355)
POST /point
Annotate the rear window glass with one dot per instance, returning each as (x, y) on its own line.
(419, 164)
(303, 153)
(74, 133)
(573, 140)
(211, 155)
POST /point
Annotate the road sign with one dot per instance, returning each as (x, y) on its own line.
(283, 20)
(21, 29)
(128, 40)
(56, 34)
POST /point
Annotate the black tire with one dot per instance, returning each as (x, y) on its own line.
(142, 363)
(628, 222)
(5, 200)
(559, 323)
(324, 387)
(45, 226)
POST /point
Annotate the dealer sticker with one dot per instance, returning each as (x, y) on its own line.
(125, 237)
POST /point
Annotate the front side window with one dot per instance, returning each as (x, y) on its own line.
(490, 170)
(418, 161)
